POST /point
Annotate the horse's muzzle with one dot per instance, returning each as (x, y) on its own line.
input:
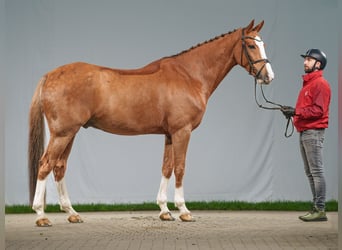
(264, 80)
(267, 76)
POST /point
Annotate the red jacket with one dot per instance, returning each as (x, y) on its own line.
(312, 108)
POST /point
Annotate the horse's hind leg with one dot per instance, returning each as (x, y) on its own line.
(65, 203)
(165, 213)
(59, 172)
(49, 160)
(39, 203)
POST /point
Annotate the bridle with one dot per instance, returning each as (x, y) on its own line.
(250, 62)
(276, 106)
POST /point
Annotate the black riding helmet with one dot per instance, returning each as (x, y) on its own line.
(318, 55)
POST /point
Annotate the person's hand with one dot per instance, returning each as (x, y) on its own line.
(288, 111)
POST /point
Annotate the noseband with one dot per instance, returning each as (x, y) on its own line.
(276, 106)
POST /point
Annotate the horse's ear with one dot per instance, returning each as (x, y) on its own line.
(249, 27)
(259, 26)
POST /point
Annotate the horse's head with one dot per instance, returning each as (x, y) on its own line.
(252, 55)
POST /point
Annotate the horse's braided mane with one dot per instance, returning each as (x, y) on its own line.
(154, 66)
(200, 44)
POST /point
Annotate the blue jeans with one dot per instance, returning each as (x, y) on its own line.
(311, 148)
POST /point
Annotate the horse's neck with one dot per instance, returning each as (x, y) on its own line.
(210, 62)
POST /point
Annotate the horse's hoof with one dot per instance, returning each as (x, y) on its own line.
(44, 222)
(75, 219)
(166, 217)
(187, 218)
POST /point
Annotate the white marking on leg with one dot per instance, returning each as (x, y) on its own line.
(39, 198)
(162, 195)
(64, 200)
(180, 202)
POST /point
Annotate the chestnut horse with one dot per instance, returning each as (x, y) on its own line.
(168, 96)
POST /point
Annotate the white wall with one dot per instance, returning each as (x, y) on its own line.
(239, 151)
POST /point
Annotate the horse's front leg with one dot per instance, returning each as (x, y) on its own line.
(180, 141)
(165, 213)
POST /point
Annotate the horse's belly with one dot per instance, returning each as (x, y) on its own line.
(125, 126)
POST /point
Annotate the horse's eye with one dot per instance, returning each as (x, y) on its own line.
(251, 46)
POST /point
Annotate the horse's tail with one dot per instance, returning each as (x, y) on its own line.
(36, 138)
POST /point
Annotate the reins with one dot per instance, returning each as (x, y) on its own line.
(276, 106)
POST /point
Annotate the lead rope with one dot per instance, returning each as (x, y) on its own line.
(279, 106)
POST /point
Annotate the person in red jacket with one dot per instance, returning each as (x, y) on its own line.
(311, 118)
